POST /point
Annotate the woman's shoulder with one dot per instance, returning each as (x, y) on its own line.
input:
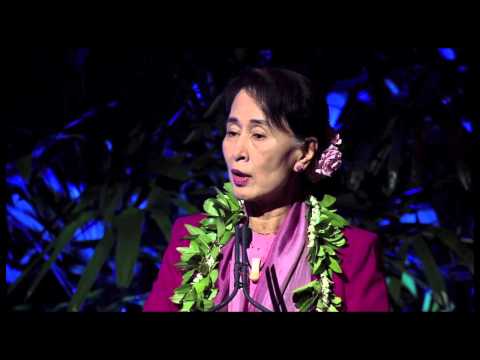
(192, 219)
(358, 241)
(359, 236)
(179, 230)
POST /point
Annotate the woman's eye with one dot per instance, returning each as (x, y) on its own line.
(258, 136)
(231, 133)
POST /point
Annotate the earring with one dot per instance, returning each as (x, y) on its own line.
(299, 167)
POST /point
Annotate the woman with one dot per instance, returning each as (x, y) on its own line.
(302, 255)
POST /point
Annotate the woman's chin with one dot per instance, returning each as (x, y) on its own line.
(242, 193)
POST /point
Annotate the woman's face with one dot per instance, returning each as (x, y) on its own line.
(260, 159)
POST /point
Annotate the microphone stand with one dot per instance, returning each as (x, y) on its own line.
(243, 237)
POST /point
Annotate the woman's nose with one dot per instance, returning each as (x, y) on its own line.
(240, 151)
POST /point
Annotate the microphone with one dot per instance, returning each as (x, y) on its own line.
(243, 238)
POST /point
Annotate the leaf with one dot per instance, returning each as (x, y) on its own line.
(327, 201)
(136, 140)
(191, 295)
(187, 276)
(102, 252)
(177, 298)
(222, 201)
(185, 258)
(394, 288)
(194, 134)
(180, 293)
(339, 243)
(213, 294)
(179, 172)
(432, 272)
(201, 285)
(24, 166)
(337, 300)
(214, 106)
(111, 198)
(202, 161)
(192, 230)
(59, 244)
(329, 250)
(322, 251)
(207, 304)
(187, 305)
(209, 208)
(203, 241)
(449, 238)
(159, 199)
(334, 265)
(185, 250)
(317, 266)
(194, 247)
(226, 237)
(214, 275)
(29, 268)
(190, 208)
(308, 288)
(214, 252)
(228, 187)
(305, 304)
(337, 220)
(163, 221)
(128, 231)
(337, 236)
(409, 282)
(233, 203)
(209, 222)
(220, 227)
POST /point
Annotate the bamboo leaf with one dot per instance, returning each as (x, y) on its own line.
(431, 270)
(394, 288)
(29, 268)
(163, 221)
(128, 230)
(59, 244)
(190, 208)
(102, 251)
(409, 282)
(24, 166)
(448, 238)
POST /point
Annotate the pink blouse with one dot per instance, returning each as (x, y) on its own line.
(258, 248)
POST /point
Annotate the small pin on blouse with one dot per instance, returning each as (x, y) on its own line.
(255, 271)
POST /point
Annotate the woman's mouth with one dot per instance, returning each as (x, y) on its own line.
(239, 178)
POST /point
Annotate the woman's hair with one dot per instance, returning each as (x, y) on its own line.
(288, 99)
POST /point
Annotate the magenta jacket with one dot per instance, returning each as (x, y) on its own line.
(361, 286)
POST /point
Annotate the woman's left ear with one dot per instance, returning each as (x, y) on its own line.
(309, 151)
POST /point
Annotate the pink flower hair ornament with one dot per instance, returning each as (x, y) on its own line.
(330, 161)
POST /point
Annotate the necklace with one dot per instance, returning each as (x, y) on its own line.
(200, 260)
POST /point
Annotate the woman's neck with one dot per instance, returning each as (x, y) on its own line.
(265, 217)
(269, 222)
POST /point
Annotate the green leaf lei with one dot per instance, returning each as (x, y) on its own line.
(200, 260)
